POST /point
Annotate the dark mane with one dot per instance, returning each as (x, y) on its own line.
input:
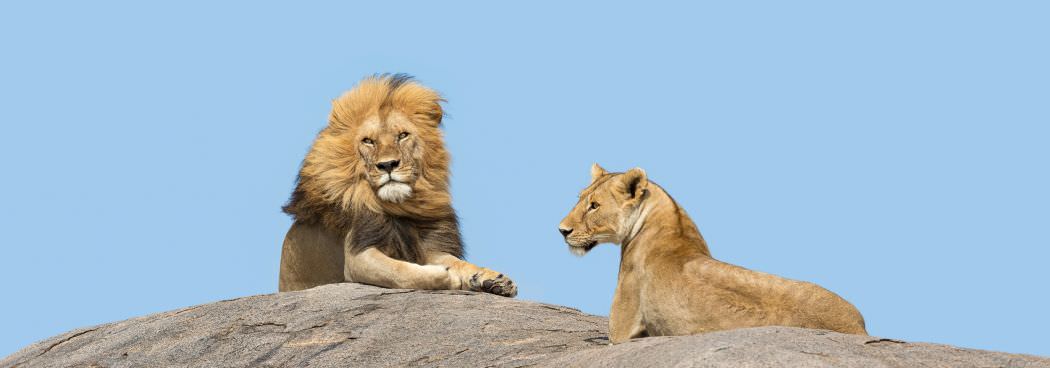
(404, 238)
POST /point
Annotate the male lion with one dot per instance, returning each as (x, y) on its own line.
(371, 204)
(668, 282)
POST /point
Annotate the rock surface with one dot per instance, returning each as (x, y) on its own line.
(358, 325)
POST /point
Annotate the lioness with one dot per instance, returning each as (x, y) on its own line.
(371, 203)
(668, 282)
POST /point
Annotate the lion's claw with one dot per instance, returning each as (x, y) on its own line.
(498, 284)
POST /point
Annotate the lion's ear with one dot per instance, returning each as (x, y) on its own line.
(635, 183)
(597, 172)
(434, 112)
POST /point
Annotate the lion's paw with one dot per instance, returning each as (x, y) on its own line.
(490, 281)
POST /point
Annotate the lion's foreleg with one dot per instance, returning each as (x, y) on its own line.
(460, 270)
(371, 266)
(467, 276)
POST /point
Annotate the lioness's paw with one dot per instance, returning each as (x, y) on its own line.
(490, 281)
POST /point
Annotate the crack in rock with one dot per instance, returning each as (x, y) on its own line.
(883, 342)
(65, 340)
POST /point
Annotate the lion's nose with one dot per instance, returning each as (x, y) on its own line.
(388, 166)
(564, 231)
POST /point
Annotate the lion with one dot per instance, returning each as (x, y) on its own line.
(371, 203)
(668, 282)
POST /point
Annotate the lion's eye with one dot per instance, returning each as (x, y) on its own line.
(368, 141)
(594, 205)
(402, 135)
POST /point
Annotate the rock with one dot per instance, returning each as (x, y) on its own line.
(331, 325)
(787, 347)
(359, 325)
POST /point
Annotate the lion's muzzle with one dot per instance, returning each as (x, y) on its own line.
(393, 187)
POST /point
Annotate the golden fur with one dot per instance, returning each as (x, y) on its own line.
(372, 203)
(668, 282)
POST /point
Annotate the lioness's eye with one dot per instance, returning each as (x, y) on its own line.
(402, 135)
(594, 205)
(367, 141)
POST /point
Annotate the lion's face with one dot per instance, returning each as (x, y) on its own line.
(604, 209)
(390, 151)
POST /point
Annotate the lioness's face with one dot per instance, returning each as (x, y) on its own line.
(603, 209)
(391, 150)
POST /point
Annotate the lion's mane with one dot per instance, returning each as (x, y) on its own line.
(332, 188)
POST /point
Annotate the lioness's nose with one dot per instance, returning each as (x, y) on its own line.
(564, 231)
(388, 166)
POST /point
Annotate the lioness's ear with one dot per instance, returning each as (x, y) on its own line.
(635, 183)
(597, 172)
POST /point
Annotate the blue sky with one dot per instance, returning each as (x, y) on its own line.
(894, 152)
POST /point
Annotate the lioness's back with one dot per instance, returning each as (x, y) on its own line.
(793, 302)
